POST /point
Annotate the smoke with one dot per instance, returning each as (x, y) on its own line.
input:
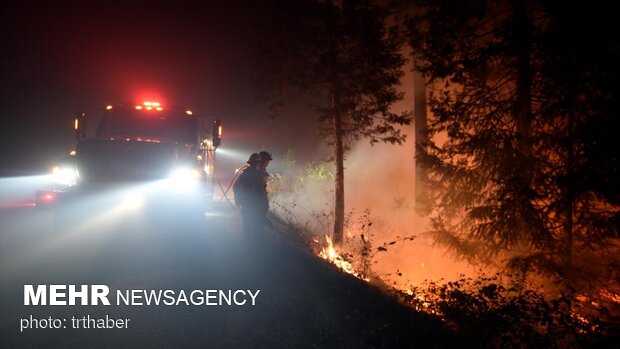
(381, 179)
(380, 204)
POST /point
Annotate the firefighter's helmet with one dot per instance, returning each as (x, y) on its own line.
(254, 159)
(265, 156)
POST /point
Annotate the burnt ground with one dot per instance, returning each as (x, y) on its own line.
(303, 303)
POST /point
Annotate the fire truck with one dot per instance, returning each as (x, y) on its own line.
(146, 156)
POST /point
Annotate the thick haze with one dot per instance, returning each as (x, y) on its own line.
(58, 60)
(61, 59)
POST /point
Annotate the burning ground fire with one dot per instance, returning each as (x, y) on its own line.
(418, 300)
(330, 254)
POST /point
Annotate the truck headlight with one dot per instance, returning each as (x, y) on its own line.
(66, 175)
(185, 174)
(132, 201)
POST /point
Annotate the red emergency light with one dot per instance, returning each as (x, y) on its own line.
(150, 105)
(46, 198)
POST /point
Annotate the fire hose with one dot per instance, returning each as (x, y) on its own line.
(238, 171)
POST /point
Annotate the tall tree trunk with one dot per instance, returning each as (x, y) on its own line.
(339, 192)
(570, 198)
(523, 98)
(522, 178)
(569, 204)
(338, 233)
(420, 125)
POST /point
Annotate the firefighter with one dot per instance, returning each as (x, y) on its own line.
(251, 196)
(265, 158)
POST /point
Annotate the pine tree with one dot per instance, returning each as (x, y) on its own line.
(342, 57)
(521, 161)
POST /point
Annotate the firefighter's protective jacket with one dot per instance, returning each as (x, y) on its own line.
(250, 190)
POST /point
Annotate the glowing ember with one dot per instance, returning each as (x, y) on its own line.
(420, 303)
(614, 297)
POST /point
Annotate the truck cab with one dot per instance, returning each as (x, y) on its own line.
(163, 154)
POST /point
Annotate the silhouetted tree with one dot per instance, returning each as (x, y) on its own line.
(341, 56)
(521, 159)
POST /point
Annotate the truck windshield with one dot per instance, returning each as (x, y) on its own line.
(162, 126)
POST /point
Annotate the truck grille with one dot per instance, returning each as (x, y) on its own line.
(124, 161)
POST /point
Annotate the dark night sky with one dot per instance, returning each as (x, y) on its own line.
(61, 59)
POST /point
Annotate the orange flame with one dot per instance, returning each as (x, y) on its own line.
(330, 254)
